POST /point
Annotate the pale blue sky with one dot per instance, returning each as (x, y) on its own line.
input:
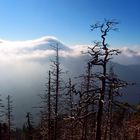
(69, 20)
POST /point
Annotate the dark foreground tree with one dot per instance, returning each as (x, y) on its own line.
(9, 115)
(29, 126)
(100, 57)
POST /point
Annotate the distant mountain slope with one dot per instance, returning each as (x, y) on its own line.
(130, 73)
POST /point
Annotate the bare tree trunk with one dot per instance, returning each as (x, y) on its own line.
(28, 116)
(49, 107)
(56, 93)
(71, 108)
(87, 107)
(101, 58)
(109, 115)
(101, 100)
(9, 115)
(100, 112)
(0, 131)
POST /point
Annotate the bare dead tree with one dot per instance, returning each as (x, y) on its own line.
(29, 125)
(111, 89)
(51, 99)
(46, 110)
(100, 56)
(9, 115)
(84, 109)
(1, 110)
(49, 107)
(1, 116)
(56, 73)
(70, 103)
(87, 104)
(113, 85)
(56, 86)
(70, 93)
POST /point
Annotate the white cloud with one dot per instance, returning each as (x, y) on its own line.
(29, 49)
(128, 56)
(27, 43)
(41, 48)
(36, 49)
(129, 52)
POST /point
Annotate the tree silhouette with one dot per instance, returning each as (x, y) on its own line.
(100, 56)
(9, 115)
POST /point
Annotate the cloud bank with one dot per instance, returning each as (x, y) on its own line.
(43, 47)
(128, 56)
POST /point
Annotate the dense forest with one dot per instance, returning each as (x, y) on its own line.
(86, 107)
